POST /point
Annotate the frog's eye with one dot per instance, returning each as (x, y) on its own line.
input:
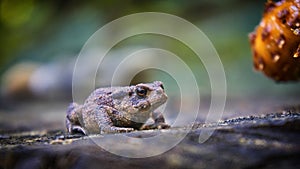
(162, 86)
(141, 91)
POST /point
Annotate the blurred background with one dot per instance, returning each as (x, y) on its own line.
(40, 41)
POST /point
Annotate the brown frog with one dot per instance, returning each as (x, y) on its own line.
(118, 109)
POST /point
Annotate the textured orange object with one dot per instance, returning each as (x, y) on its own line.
(276, 41)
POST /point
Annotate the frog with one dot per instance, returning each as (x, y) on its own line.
(118, 109)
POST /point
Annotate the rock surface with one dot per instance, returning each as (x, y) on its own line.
(262, 141)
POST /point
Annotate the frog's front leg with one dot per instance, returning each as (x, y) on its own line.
(105, 123)
(72, 128)
(159, 122)
(72, 120)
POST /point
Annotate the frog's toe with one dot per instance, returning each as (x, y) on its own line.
(156, 126)
(163, 126)
(78, 129)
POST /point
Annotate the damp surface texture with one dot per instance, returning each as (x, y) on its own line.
(262, 140)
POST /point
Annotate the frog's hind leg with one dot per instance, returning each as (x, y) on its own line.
(105, 123)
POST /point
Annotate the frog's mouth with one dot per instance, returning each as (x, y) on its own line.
(143, 105)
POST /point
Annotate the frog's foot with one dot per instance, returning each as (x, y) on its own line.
(156, 126)
(114, 129)
(76, 130)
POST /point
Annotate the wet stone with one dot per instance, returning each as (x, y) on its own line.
(257, 141)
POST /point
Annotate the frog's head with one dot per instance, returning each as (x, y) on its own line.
(143, 99)
(149, 96)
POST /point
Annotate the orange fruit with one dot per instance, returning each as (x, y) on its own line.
(275, 43)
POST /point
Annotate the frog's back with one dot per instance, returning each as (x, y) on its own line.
(105, 96)
(98, 95)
